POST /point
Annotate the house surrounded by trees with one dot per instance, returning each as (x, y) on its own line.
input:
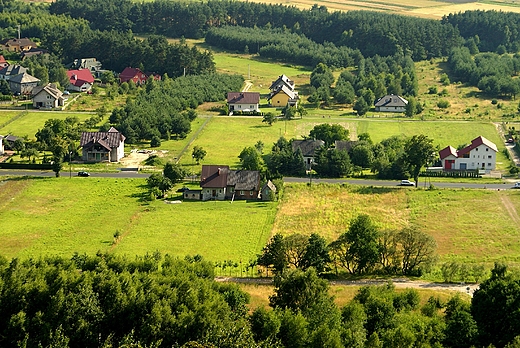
(308, 148)
(102, 146)
(391, 103)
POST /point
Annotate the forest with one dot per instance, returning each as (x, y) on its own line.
(160, 301)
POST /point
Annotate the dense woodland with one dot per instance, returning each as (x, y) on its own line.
(160, 301)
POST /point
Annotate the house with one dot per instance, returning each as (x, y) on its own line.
(479, 155)
(17, 45)
(282, 80)
(283, 96)
(3, 62)
(48, 96)
(243, 101)
(33, 52)
(218, 182)
(102, 146)
(11, 71)
(308, 148)
(80, 80)
(192, 194)
(344, 145)
(1, 145)
(391, 103)
(23, 83)
(268, 190)
(243, 184)
(136, 75)
(91, 64)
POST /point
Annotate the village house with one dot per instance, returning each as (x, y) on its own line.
(391, 103)
(91, 64)
(80, 80)
(17, 45)
(479, 155)
(48, 96)
(102, 146)
(33, 52)
(283, 93)
(136, 75)
(11, 71)
(308, 148)
(218, 182)
(282, 80)
(243, 101)
(23, 84)
(268, 191)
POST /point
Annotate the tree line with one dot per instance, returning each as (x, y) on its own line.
(163, 301)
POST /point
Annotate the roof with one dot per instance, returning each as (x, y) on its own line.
(214, 176)
(243, 97)
(244, 180)
(344, 145)
(18, 42)
(289, 92)
(80, 77)
(108, 140)
(11, 138)
(269, 184)
(282, 80)
(307, 146)
(448, 151)
(2, 59)
(391, 100)
(476, 143)
(13, 70)
(50, 89)
(24, 78)
(85, 63)
(130, 73)
(34, 51)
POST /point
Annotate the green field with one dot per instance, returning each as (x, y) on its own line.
(62, 216)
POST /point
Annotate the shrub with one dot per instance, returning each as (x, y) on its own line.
(494, 101)
(432, 90)
(443, 104)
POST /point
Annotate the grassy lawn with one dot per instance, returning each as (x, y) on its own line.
(473, 226)
(62, 216)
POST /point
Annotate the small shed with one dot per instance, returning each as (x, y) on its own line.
(267, 189)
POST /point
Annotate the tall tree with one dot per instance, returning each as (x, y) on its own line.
(363, 248)
(418, 152)
(251, 159)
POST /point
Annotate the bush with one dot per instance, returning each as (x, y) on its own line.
(154, 160)
(432, 90)
(155, 141)
(443, 104)
(494, 101)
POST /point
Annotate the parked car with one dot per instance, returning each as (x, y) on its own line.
(516, 185)
(407, 183)
(83, 173)
(66, 92)
(183, 189)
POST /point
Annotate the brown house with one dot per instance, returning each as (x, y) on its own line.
(218, 182)
(102, 146)
(17, 45)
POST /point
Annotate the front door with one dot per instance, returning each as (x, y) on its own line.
(448, 164)
(214, 193)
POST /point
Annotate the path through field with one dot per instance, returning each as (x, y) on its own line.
(398, 283)
(511, 210)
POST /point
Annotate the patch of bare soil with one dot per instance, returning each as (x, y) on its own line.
(511, 210)
(136, 158)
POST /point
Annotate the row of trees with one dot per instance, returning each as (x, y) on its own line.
(363, 249)
(161, 301)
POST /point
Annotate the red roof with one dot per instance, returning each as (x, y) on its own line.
(129, 73)
(447, 151)
(2, 59)
(79, 77)
(243, 97)
(476, 143)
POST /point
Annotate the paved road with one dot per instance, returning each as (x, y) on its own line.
(381, 183)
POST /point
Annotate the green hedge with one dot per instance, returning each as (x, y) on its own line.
(33, 166)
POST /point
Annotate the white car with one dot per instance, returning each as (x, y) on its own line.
(407, 183)
(516, 185)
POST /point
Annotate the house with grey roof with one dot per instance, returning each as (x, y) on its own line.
(282, 80)
(102, 146)
(218, 182)
(23, 83)
(391, 103)
(47, 97)
(11, 71)
(308, 148)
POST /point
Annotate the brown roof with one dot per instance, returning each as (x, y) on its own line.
(447, 151)
(476, 143)
(108, 140)
(243, 97)
(344, 145)
(214, 176)
(246, 180)
(308, 146)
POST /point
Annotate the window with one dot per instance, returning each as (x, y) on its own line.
(466, 155)
(250, 193)
(240, 106)
(241, 193)
(487, 149)
(219, 191)
(489, 156)
(489, 164)
(476, 149)
(231, 189)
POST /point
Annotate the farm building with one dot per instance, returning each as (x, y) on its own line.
(480, 154)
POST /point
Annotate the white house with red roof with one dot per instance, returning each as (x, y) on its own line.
(80, 80)
(479, 155)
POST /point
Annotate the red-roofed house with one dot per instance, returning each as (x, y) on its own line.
(243, 101)
(80, 80)
(480, 154)
(3, 62)
(136, 75)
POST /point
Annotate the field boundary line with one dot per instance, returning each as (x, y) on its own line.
(193, 138)
(20, 115)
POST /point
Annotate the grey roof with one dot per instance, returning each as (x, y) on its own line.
(391, 100)
(24, 78)
(282, 80)
(344, 145)
(214, 176)
(291, 93)
(13, 70)
(307, 146)
(11, 138)
(108, 140)
(50, 88)
(269, 184)
(243, 97)
(245, 180)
